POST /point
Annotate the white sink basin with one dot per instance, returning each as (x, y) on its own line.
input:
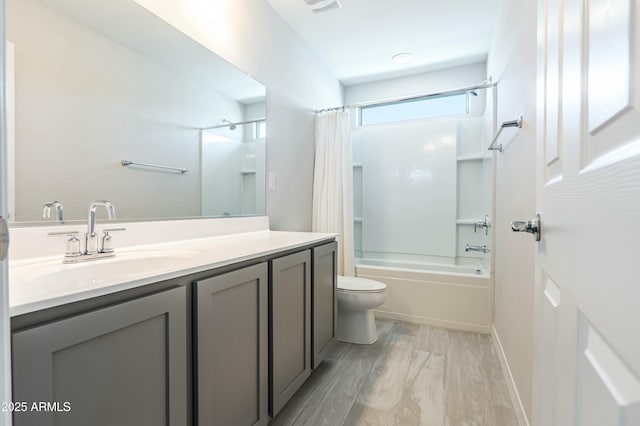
(45, 277)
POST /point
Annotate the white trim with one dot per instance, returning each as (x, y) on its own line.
(433, 321)
(11, 132)
(521, 414)
(5, 336)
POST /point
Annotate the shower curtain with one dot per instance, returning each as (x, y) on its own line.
(333, 184)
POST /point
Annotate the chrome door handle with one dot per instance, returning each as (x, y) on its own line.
(533, 226)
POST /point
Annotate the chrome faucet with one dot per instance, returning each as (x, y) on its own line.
(91, 238)
(46, 210)
(92, 249)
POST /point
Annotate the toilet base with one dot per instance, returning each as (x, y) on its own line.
(357, 327)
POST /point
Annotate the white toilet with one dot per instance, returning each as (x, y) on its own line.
(357, 297)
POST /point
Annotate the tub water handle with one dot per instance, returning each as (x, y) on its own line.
(484, 224)
(533, 226)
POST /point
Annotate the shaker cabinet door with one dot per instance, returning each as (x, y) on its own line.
(290, 332)
(123, 365)
(323, 301)
(232, 348)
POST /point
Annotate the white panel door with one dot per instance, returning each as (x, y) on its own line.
(587, 361)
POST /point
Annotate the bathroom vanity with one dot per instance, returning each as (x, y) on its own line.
(226, 337)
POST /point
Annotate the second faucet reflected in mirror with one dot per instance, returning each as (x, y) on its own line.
(46, 210)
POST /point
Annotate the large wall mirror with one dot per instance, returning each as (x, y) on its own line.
(93, 83)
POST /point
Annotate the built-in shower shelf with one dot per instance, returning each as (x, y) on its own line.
(356, 165)
(357, 219)
(471, 158)
(248, 172)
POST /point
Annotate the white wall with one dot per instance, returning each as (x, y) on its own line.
(255, 110)
(249, 34)
(512, 61)
(451, 78)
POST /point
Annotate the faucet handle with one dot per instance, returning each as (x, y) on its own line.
(60, 233)
(73, 243)
(485, 224)
(106, 239)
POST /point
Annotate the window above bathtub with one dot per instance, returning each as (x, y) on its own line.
(414, 109)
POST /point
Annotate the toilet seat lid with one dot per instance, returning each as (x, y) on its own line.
(359, 284)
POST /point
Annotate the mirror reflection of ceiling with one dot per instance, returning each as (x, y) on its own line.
(101, 81)
(132, 26)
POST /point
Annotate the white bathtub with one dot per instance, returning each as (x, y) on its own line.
(430, 267)
(453, 296)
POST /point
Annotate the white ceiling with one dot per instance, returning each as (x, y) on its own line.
(357, 41)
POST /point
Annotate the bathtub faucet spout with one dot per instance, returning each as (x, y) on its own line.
(483, 248)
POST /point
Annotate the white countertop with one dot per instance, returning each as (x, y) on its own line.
(43, 282)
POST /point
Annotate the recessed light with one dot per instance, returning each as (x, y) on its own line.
(402, 58)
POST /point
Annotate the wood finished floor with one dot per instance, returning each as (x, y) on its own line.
(413, 375)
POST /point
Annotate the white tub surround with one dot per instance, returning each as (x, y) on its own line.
(454, 300)
(146, 252)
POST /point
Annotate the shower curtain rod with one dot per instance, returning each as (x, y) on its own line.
(483, 85)
(237, 123)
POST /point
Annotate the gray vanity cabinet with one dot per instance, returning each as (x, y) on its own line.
(231, 312)
(324, 302)
(124, 364)
(290, 326)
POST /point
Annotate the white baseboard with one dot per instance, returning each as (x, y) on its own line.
(433, 321)
(521, 415)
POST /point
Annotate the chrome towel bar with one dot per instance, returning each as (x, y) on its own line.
(155, 166)
(513, 123)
